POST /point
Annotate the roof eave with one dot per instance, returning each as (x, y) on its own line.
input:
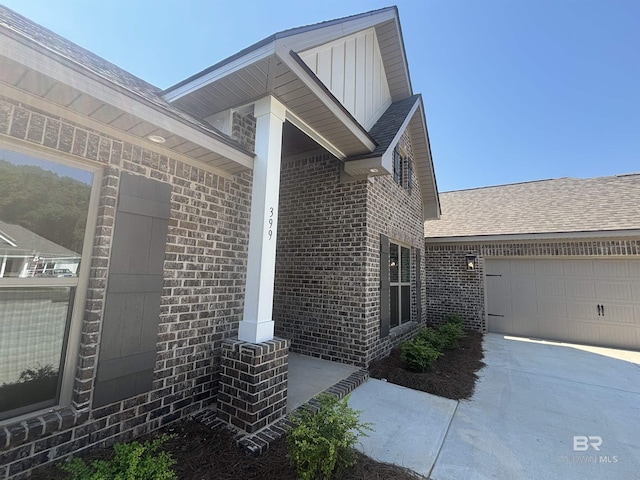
(516, 237)
(37, 57)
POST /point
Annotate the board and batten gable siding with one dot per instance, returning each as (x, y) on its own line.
(204, 258)
(352, 69)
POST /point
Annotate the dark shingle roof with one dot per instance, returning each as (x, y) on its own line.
(387, 126)
(90, 62)
(28, 242)
(546, 206)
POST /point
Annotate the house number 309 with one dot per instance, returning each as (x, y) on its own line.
(270, 223)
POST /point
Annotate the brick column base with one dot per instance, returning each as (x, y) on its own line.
(253, 383)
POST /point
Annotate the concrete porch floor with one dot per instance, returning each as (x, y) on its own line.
(309, 376)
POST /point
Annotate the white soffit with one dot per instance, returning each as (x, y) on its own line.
(74, 77)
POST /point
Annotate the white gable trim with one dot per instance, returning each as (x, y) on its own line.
(351, 67)
(324, 96)
(226, 69)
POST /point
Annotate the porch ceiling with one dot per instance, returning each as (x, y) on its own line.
(272, 66)
(274, 75)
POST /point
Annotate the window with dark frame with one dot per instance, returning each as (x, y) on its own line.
(398, 164)
(402, 169)
(400, 284)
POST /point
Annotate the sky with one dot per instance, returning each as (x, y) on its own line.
(514, 90)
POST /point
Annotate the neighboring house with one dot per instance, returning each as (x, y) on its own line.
(26, 254)
(553, 259)
(282, 190)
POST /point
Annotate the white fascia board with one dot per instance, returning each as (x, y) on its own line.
(74, 78)
(329, 101)
(224, 70)
(405, 63)
(535, 236)
(321, 35)
(319, 139)
(420, 117)
(387, 157)
(7, 239)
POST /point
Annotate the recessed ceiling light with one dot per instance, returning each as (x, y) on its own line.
(373, 170)
(156, 139)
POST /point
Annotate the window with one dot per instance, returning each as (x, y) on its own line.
(398, 166)
(44, 217)
(399, 284)
(402, 169)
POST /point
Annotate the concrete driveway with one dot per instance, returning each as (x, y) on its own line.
(540, 410)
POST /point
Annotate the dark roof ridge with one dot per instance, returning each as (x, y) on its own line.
(505, 185)
(602, 177)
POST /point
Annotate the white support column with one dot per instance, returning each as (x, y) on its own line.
(257, 323)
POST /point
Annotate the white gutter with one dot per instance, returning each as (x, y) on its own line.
(63, 73)
(227, 69)
(535, 236)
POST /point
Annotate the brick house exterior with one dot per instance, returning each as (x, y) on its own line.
(157, 311)
(327, 298)
(205, 265)
(554, 225)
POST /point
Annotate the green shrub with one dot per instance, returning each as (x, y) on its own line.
(131, 461)
(430, 336)
(321, 442)
(419, 354)
(449, 334)
(453, 318)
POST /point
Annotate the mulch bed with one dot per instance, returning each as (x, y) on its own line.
(202, 453)
(453, 375)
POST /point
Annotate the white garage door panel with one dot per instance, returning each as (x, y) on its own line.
(550, 287)
(578, 268)
(582, 311)
(579, 289)
(558, 300)
(613, 291)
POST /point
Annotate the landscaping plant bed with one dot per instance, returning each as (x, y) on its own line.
(453, 375)
(202, 453)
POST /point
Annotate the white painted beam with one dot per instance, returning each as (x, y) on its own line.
(257, 324)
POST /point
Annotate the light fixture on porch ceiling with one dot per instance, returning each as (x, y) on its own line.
(373, 170)
(471, 262)
(156, 139)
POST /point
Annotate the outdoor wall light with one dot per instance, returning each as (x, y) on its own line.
(471, 262)
(156, 139)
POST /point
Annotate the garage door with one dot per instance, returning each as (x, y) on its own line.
(595, 302)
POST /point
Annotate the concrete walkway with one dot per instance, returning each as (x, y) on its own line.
(309, 376)
(532, 399)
